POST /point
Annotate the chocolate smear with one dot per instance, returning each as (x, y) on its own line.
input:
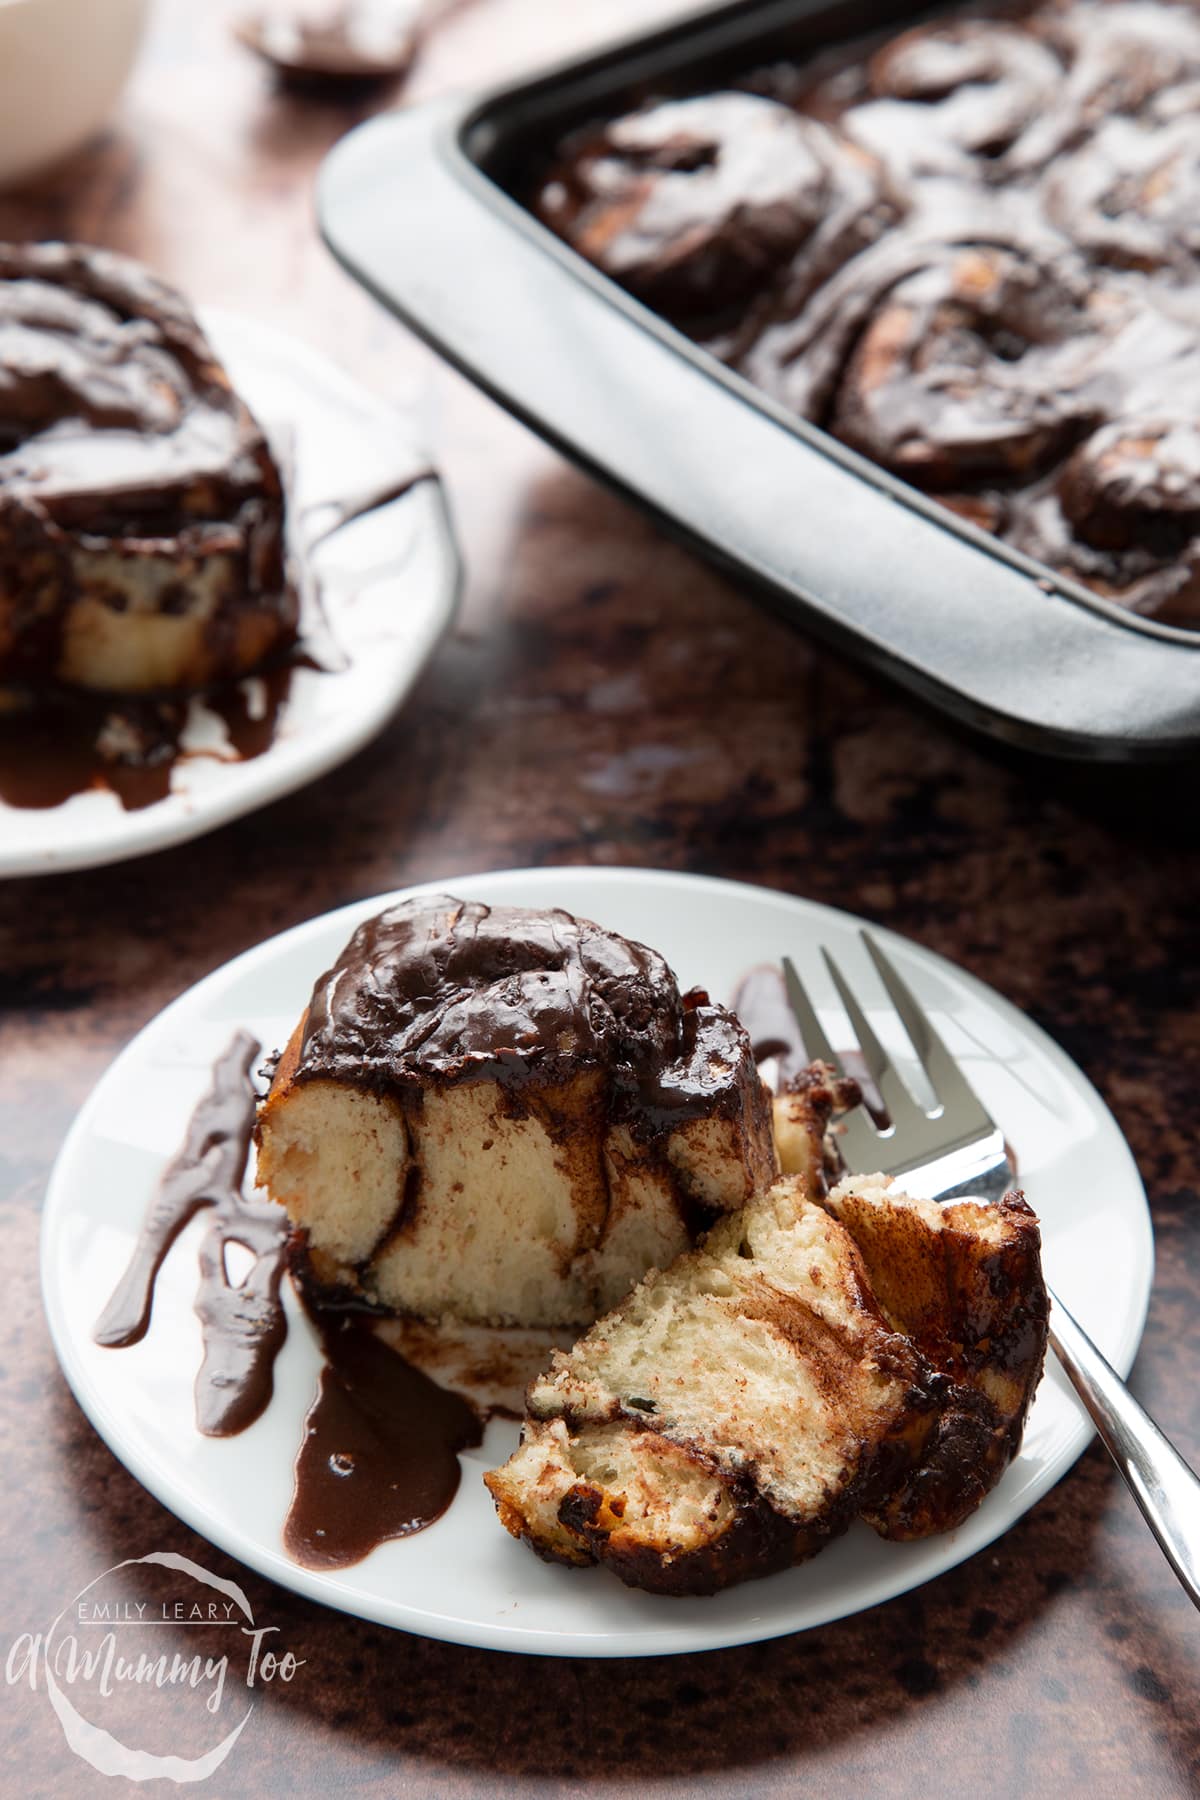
(243, 1323)
(379, 1455)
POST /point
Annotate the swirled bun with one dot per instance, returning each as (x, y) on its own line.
(141, 513)
(692, 204)
(809, 1362)
(506, 1116)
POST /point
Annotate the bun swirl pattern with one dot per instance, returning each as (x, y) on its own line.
(506, 1116)
(1013, 324)
(141, 512)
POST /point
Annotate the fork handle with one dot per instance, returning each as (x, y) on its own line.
(1163, 1485)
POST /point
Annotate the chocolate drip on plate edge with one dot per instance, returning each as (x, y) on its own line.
(379, 1454)
(59, 743)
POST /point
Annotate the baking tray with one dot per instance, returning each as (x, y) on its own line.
(423, 208)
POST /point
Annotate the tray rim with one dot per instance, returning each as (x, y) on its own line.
(444, 130)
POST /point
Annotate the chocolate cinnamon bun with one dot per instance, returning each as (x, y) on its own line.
(1006, 313)
(1120, 57)
(944, 93)
(1123, 515)
(1130, 197)
(944, 329)
(506, 1115)
(1122, 512)
(694, 204)
(141, 512)
(974, 366)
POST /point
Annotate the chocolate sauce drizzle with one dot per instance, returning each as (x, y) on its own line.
(243, 1324)
(322, 518)
(379, 1455)
(760, 1002)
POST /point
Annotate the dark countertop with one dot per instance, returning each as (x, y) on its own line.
(607, 699)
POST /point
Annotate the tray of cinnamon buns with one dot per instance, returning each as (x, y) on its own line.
(893, 313)
(222, 562)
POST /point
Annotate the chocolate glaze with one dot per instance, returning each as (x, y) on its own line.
(438, 990)
(60, 742)
(243, 1324)
(54, 747)
(115, 419)
(379, 1455)
(94, 345)
(1012, 321)
(124, 454)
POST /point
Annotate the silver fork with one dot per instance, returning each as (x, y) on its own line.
(960, 1150)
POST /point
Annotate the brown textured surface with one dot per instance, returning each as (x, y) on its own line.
(606, 699)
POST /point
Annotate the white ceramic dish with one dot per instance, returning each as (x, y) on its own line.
(464, 1579)
(389, 583)
(62, 65)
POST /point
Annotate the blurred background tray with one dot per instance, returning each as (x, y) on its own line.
(423, 208)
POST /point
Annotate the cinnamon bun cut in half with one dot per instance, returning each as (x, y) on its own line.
(505, 1117)
(141, 512)
(808, 1363)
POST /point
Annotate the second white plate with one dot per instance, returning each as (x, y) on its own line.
(464, 1579)
(389, 584)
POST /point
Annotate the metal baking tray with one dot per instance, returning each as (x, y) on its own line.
(423, 207)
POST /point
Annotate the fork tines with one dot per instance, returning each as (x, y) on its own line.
(914, 1136)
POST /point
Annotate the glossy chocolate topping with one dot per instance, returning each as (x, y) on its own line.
(115, 415)
(438, 990)
(760, 1002)
(132, 478)
(1014, 322)
(55, 745)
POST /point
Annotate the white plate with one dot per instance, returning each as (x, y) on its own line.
(464, 1579)
(389, 583)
